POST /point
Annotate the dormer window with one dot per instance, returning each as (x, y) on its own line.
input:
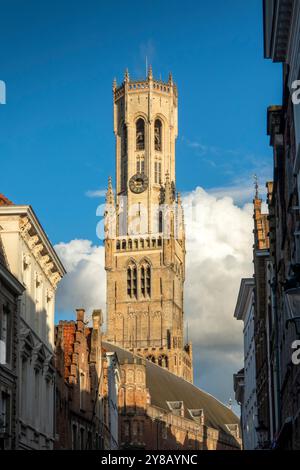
(5, 334)
(176, 407)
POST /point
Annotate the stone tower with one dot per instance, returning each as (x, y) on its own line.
(144, 228)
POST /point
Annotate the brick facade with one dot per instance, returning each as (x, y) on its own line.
(78, 383)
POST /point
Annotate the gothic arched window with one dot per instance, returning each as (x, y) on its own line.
(140, 134)
(160, 221)
(124, 138)
(132, 280)
(145, 279)
(124, 157)
(148, 280)
(158, 135)
(129, 280)
(143, 290)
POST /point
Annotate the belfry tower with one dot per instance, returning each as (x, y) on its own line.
(145, 240)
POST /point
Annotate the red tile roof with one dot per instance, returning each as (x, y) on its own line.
(4, 201)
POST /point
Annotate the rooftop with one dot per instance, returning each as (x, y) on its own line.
(144, 84)
(164, 387)
(4, 201)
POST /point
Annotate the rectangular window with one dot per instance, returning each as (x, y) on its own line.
(5, 413)
(24, 395)
(89, 441)
(82, 438)
(38, 304)
(36, 396)
(48, 404)
(5, 335)
(74, 437)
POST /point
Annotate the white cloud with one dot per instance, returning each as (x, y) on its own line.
(240, 194)
(84, 284)
(219, 254)
(96, 193)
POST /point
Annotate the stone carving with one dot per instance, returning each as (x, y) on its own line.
(49, 295)
(32, 241)
(26, 260)
(37, 247)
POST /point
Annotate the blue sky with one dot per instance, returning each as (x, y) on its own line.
(58, 59)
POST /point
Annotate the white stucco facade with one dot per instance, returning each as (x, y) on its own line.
(245, 311)
(33, 261)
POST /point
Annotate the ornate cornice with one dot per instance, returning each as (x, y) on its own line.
(39, 251)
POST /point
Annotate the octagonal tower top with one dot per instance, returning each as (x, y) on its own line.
(147, 84)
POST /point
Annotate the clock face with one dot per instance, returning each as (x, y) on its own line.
(138, 183)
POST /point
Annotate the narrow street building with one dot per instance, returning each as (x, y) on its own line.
(245, 379)
(282, 44)
(34, 263)
(79, 375)
(11, 291)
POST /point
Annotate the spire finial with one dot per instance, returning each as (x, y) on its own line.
(170, 78)
(109, 193)
(168, 189)
(150, 75)
(114, 84)
(126, 76)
